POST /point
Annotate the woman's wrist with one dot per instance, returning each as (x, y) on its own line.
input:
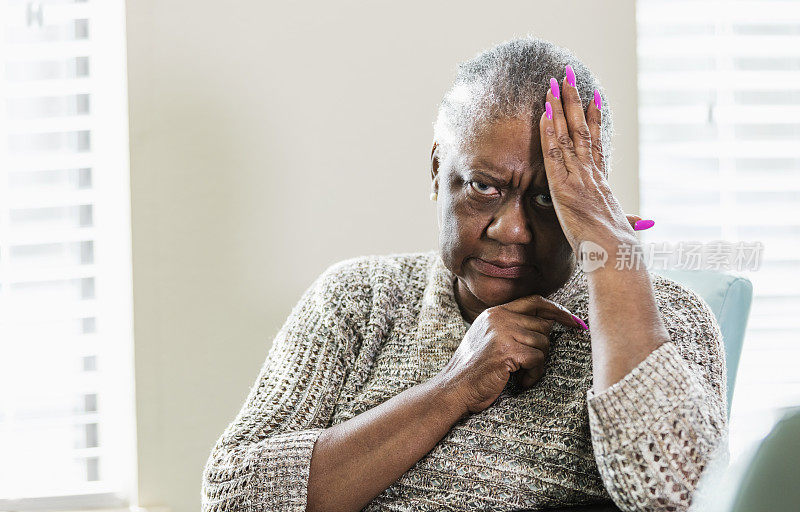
(444, 395)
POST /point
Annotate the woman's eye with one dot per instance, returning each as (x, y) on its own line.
(483, 188)
(543, 199)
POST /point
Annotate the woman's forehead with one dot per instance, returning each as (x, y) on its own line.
(504, 147)
(506, 138)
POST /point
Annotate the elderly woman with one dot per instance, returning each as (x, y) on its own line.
(500, 371)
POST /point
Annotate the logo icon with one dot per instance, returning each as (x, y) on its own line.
(591, 256)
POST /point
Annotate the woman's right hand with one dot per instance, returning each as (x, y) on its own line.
(502, 340)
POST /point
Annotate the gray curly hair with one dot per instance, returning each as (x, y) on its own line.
(510, 80)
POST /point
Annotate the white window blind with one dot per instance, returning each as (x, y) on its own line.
(66, 403)
(719, 121)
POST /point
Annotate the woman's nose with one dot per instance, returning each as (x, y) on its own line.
(510, 225)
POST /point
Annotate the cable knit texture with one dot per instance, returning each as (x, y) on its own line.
(372, 326)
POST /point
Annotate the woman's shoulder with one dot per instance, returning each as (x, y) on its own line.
(361, 287)
(399, 271)
(399, 262)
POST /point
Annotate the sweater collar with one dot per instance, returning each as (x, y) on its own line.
(441, 327)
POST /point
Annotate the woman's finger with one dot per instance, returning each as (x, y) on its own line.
(574, 118)
(594, 120)
(528, 378)
(532, 339)
(555, 166)
(528, 356)
(530, 322)
(639, 223)
(558, 144)
(536, 305)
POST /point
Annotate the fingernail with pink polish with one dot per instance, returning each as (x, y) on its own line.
(643, 224)
(548, 110)
(598, 101)
(570, 76)
(554, 87)
(581, 323)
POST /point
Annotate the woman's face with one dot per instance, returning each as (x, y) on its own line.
(494, 206)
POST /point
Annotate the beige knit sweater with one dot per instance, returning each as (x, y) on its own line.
(372, 326)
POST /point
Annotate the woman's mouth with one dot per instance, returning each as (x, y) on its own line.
(507, 270)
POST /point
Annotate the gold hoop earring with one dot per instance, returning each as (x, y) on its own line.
(434, 196)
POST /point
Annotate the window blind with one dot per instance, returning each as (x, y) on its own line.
(719, 126)
(66, 407)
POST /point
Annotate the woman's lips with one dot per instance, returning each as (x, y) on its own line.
(484, 267)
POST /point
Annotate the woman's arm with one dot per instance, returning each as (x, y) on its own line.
(657, 423)
(356, 460)
(278, 455)
(626, 325)
(657, 406)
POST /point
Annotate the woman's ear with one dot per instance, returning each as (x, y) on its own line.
(434, 160)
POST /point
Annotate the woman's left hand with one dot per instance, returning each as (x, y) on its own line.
(573, 159)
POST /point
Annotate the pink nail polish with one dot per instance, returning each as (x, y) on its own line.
(548, 110)
(581, 323)
(554, 87)
(570, 76)
(598, 101)
(643, 224)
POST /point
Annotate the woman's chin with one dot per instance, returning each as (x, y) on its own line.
(494, 291)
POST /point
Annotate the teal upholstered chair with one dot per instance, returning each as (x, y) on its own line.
(729, 296)
(763, 478)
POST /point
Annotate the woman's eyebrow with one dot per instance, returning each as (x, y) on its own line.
(538, 184)
(494, 180)
(494, 172)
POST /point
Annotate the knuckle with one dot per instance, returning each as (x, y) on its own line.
(583, 133)
(543, 328)
(555, 153)
(544, 342)
(528, 339)
(565, 140)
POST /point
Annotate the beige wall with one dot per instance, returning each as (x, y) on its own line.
(269, 141)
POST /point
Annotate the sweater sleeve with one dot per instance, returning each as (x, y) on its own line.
(261, 461)
(655, 430)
